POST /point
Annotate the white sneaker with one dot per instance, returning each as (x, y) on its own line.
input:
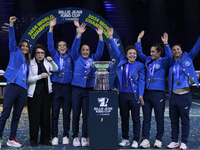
(66, 140)
(135, 144)
(183, 146)
(84, 141)
(173, 145)
(54, 141)
(157, 144)
(145, 143)
(13, 143)
(76, 141)
(124, 142)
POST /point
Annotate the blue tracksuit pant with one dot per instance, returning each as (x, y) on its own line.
(153, 99)
(179, 107)
(80, 101)
(128, 102)
(14, 95)
(61, 96)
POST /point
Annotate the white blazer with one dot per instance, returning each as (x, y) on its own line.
(33, 75)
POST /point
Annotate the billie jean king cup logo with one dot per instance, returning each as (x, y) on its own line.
(102, 81)
(103, 101)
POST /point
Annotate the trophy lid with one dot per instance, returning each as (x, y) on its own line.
(102, 64)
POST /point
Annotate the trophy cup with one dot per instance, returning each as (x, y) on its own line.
(102, 82)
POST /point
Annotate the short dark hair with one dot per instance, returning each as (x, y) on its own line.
(130, 47)
(28, 55)
(176, 44)
(59, 42)
(38, 46)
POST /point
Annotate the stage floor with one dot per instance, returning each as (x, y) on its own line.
(193, 141)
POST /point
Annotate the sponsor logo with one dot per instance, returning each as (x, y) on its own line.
(103, 108)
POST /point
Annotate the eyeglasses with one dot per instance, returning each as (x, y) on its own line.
(40, 53)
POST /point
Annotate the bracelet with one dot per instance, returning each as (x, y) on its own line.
(166, 44)
(50, 27)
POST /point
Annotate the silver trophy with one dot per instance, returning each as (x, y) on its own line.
(102, 81)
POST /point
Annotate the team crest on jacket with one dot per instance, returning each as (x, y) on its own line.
(187, 63)
(157, 66)
(69, 59)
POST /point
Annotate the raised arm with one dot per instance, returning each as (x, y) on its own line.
(12, 40)
(194, 51)
(52, 24)
(100, 47)
(99, 31)
(139, 47)
(77, 41)
(114, 47)
(50, 41)
(168, 51)
(80, 30)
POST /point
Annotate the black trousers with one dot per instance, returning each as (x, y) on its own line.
(39, 116)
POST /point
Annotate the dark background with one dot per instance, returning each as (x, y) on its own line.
(179, 18)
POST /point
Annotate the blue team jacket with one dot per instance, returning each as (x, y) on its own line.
(137, 73)
(67, 71)
(16, 60)
(160, 69)
(80, 71)
(186, 65)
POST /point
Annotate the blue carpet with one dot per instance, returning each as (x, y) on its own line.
(23, 133)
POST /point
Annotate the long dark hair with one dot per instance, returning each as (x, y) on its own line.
(159, 47)
(28, 55)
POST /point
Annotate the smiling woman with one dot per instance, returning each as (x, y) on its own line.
(16, 89)
(39, 98)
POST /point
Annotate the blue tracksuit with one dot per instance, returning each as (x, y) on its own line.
(154, 96)
(16, 89)
(179, 104)
(129, 98)
(61, 87)
(83, 81)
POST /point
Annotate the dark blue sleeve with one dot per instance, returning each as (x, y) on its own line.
(50, 43)
(141, 80)
(75, 47)
(115, 50)
(12, 40)
(168, 57)
(140, 53)
(194, 51)
(99, 51)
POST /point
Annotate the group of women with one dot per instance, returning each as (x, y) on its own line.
(72, 77)
(133, 76)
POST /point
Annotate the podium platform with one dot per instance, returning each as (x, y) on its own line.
(103, 120)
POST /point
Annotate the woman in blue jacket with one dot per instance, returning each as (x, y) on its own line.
(154, 95)
(83, 81)
(15, 93)
(130, 82)
(61, 80)
(181, 76)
